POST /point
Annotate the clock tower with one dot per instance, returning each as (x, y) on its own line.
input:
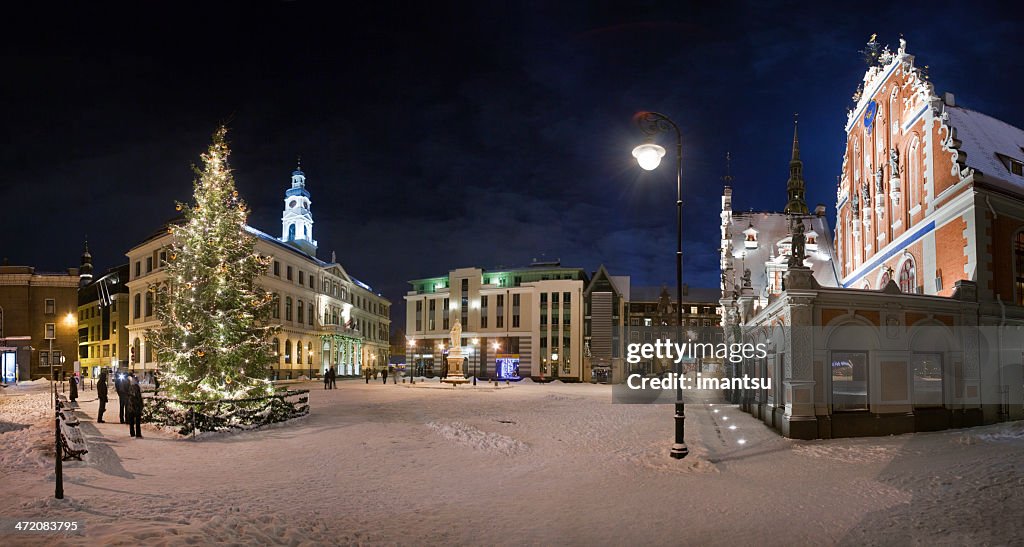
(297, 220)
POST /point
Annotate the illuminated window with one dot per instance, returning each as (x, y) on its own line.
(908, 277)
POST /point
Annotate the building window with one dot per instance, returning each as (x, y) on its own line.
(276, 345)
(149, 264)
(464, 311)
(287, 308)
(138, 268)
(50, 307)
(277, 268)
(149, 303)
(162, 259)
(515, 311)
(927, 379)
(50, 331)
(908, 277)
(419, 315)
(483, 312)
(288, 274)
(44, 358)
(849, 380)
(309, 353)
(302, 277)
(309, 314)
(301, 312)
(431, 313)
(137, 312)
(499, 316)
(275, 311)
(445, 315)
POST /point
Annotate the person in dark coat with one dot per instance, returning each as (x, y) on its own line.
(135, 408)
(121, 387)
(156, 383)
(73, 385)
(384, 372)
(366, 374)
(327, 378)
(101, 393)
(334, 378)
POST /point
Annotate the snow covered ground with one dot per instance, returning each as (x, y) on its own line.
(533, 464)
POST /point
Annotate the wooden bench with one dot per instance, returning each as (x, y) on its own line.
(71, 438)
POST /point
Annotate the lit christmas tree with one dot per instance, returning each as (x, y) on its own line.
(214, 342)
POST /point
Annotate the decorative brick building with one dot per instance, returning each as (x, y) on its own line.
(917, 323)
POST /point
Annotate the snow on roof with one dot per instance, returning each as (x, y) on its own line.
(983, 138)
(773, 240)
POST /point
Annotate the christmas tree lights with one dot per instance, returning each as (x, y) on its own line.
(214, 340)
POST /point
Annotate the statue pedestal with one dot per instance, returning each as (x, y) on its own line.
(455, 374)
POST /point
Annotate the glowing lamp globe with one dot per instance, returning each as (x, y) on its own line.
(648, 155)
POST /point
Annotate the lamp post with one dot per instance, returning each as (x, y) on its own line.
(476, 342)
(649, 155)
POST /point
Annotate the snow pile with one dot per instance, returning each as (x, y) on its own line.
(26, 431)
(846, 453)
(1004, 433)
(472, 437)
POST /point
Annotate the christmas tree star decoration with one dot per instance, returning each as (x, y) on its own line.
(219, 321)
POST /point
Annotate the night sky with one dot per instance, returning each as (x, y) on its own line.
(437, 135)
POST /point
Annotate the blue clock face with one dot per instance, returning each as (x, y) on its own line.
(869, 115)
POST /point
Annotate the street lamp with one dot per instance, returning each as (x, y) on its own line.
(554, 364)
(649, 155)
(476, 342)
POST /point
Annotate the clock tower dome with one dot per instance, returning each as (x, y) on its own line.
(297, 220)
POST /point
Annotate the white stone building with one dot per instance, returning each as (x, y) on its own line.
(327, 317)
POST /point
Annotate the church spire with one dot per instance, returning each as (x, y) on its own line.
(795, 186)
(85, 269)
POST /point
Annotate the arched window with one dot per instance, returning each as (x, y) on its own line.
(301, 314)
(287, 351)
(325, 354)
(884, 280)
(287, 308)
(1018, 267)
(908, 276)
(277, 349)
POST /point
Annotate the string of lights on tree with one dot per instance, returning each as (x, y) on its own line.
(214, 339)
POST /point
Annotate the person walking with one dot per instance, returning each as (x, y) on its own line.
(135, 408)
(334, 378)
(366, 374)
(327, 378)
(384, 375)
(73, 384)
(101, 393)
(121, 387)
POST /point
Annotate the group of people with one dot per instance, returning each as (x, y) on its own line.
(129, 396)
(331, 379)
